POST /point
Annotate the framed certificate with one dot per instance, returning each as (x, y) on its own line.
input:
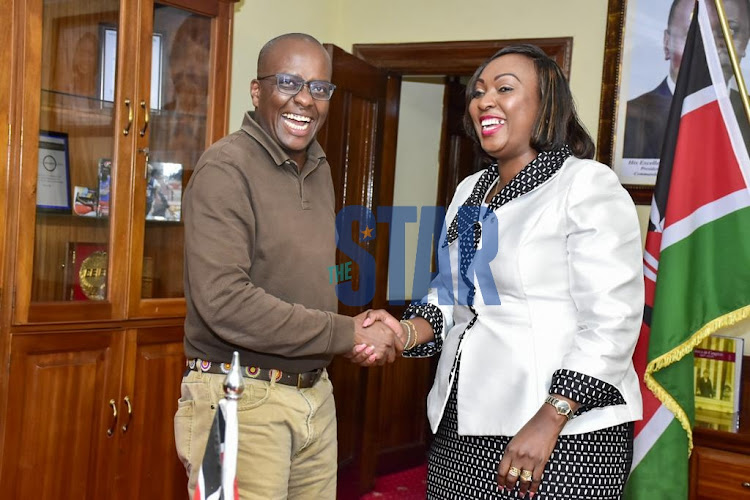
(53, 174)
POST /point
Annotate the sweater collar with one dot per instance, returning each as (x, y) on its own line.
(280, 157)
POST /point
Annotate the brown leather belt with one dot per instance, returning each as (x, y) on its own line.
(299, 380)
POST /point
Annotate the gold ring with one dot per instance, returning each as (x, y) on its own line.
(513, 471)
(525, 475)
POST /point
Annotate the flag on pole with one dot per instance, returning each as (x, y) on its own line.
(696, 262)
(217, 478)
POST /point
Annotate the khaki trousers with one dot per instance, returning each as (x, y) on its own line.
(287, 436)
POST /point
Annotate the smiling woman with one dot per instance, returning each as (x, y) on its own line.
(503, 107)
(537, 286)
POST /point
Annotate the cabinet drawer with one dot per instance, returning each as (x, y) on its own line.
(720, 474)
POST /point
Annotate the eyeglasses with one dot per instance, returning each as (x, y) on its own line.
(291, 85)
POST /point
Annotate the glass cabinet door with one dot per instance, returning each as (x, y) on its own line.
(76, 151)
(178, 136)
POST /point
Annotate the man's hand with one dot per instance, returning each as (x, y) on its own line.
(376, 342)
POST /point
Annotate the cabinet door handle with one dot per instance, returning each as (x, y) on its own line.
(130, 414)
(145, 118)
(111, 430)
(746, 485)
(126, 130)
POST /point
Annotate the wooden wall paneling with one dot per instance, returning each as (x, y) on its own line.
(60, 386)
(402, 411)
(153, 368)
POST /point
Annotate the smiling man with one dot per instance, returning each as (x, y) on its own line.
(259, 215)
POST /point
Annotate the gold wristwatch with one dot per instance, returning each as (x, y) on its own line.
(562, 407)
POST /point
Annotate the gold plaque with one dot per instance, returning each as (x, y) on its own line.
(93, 275)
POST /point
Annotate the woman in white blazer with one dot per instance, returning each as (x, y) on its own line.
(537, 305)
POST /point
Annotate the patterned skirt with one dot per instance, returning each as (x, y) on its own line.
(590, 466)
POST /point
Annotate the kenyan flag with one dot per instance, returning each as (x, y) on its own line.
(698, 246)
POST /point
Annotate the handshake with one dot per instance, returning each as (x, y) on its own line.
(378, 338)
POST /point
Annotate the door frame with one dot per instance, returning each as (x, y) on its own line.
(453, 58)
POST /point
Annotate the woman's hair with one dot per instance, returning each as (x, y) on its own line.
(557, 123)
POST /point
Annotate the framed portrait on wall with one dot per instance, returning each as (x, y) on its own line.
(644, 44)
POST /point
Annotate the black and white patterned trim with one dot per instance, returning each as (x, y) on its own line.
(465, 225)
(535, 173)
(590, 392)
(432, 314)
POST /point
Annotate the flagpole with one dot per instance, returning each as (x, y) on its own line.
(733, 57)
(234, 386)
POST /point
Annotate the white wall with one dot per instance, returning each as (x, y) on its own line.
(256, 22)
(345, 22)
(419, 127)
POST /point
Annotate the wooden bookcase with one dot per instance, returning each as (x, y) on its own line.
(90, 379)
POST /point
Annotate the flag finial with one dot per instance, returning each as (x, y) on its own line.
(233, 384)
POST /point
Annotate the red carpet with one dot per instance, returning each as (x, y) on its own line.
(410, 484)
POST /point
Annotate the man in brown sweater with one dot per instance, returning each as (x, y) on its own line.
(259, 239)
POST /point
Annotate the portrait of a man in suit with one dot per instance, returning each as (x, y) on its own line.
(646, 115)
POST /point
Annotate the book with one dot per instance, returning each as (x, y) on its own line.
(86, 271)
(718, 377)
(105, 183)
(164, 191)
(84, 201)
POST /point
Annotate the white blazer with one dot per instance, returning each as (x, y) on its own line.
(569, 274)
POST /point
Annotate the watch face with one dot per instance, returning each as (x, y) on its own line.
(562, 407)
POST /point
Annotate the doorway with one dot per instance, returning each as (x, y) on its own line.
(430, 82)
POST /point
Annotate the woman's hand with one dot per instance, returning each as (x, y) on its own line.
(364, 354)
(529, 451)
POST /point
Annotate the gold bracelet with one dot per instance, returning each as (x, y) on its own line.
(406, 322)
(412, 328)
(416, 334)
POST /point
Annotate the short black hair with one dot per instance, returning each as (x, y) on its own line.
(557, 123)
